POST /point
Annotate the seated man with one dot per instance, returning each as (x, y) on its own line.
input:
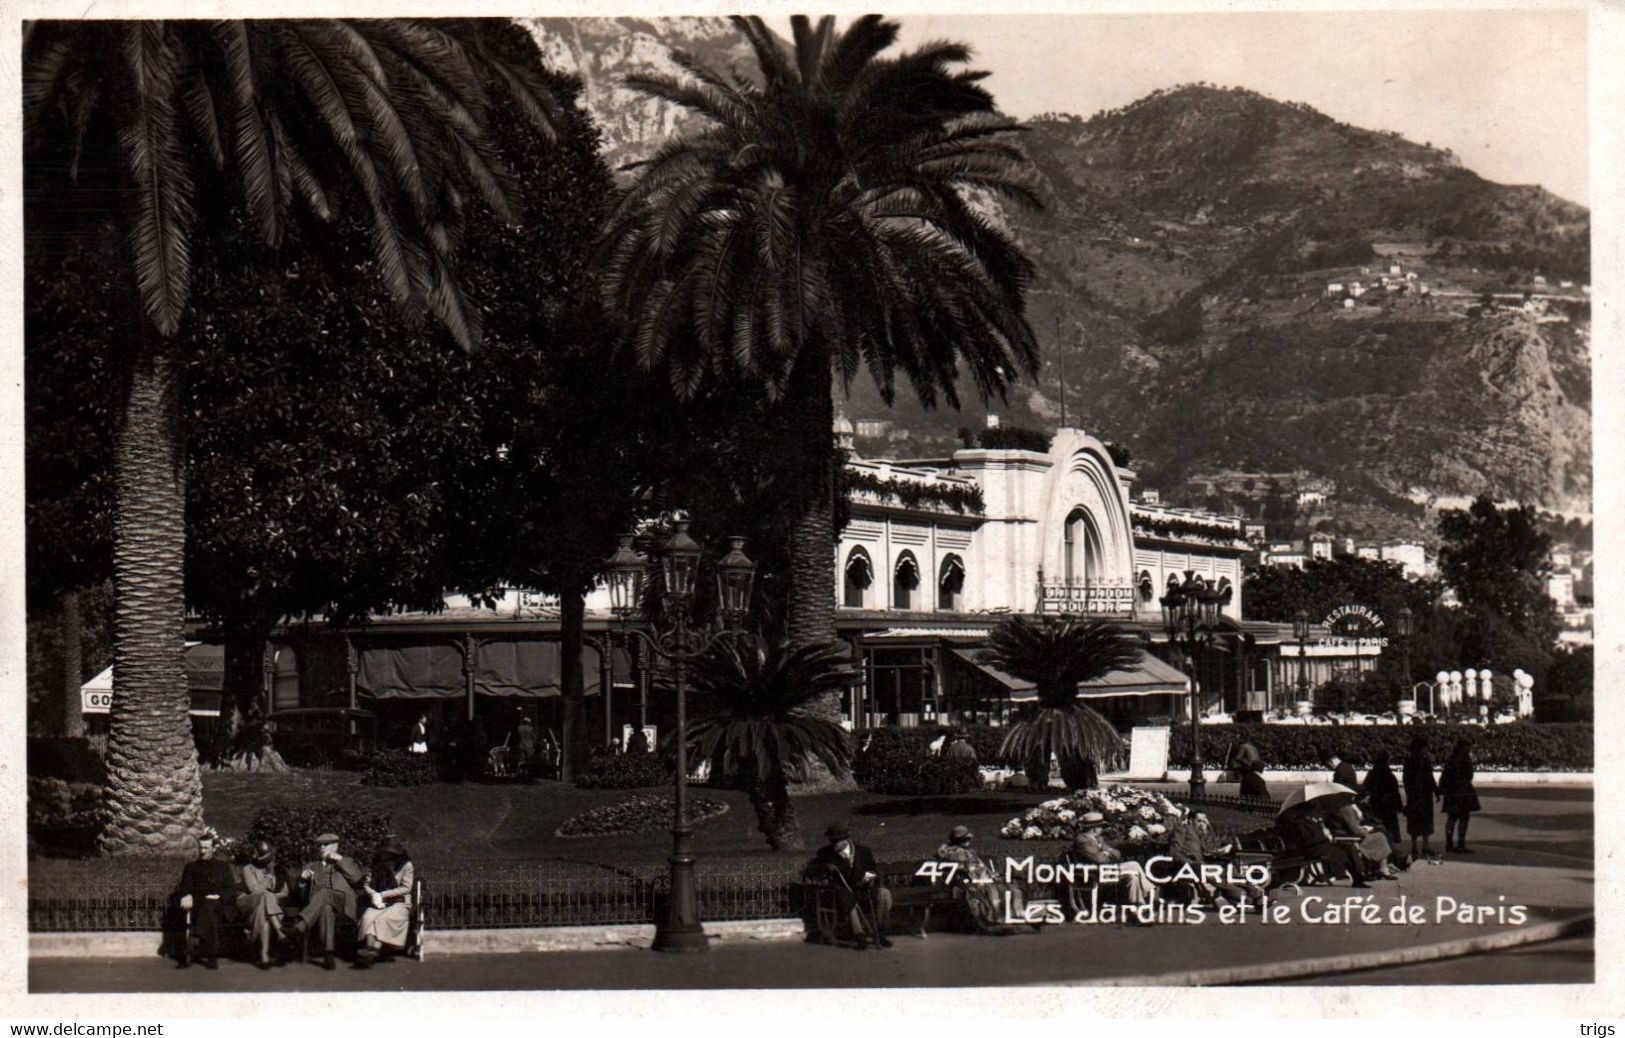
(1090, 847)
(1191, 841)
(1304, 835)
(208, 892)
(848, 869)
(1375, 850)
(330, 891)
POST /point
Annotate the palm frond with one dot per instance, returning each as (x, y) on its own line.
(160, 234)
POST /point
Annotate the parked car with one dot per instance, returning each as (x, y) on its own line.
(315, 736)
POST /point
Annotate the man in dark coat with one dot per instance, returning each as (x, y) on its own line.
(848, 868)
(330, 891)
(1343, 772)
(1305, 836)
(208, 890)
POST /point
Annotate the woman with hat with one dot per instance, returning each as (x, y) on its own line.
(389, 917)
(984, 894)
(261, 904)
(1420, 792)
(1459, 797)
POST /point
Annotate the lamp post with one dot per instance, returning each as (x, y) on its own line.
(1300, 631)
(1190, 615)
(678, 640)
(1402, 627)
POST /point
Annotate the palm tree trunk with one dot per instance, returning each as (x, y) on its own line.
(812, 534)
(786, 834)
(73, 716)
(154, 799)
(246, 745)
(572, 685)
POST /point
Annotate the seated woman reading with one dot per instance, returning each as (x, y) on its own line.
(385, 923)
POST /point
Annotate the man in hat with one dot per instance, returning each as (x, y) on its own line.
(848, 868)
(264, 888)
(1191, 841)
(1090, 847)
(330, 886)
(208, 891)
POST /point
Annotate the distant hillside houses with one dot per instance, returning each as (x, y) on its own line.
(1412, 556)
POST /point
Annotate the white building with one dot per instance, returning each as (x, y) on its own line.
(1411, 556)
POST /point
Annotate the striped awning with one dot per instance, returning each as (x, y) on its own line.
(1148, 677)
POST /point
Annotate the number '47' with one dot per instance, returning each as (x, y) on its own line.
(938, 871)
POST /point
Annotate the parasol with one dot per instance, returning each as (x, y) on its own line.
(1329, 795)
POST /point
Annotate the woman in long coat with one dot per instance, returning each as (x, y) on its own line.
(1459, 796)
(1420, 792)
(389, 917)
(1381, 791)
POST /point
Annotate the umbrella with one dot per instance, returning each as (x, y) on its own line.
(1322, 794)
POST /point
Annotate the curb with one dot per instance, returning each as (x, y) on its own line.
(144, 943)
(1292, 970)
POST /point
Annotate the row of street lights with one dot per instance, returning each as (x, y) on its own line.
(678, 639)
(1190, 616)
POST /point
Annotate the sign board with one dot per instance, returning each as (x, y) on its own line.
(1148, 753)
(1356, 626)
(648, 733)
(95, 700)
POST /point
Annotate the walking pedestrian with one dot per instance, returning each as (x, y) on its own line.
(1381, 790)
(1420, 793)
(1459, 797)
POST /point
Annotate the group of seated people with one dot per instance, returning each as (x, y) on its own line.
(278, 907)
(1339, 841)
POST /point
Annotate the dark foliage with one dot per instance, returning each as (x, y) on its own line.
(1006, 438)
(899, 761)
(607, 770)
(71, 760)
(967, 499)
(1519, 746)
(291, 828)
(400, 768)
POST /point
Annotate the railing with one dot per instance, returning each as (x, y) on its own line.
(1097, 597)
(515, 897)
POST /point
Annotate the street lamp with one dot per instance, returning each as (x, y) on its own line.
(676, 639)
(1403, 628)
(1190, 615)
(1300, 631)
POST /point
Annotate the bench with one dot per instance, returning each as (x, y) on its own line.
(347, 936)
(914, 898)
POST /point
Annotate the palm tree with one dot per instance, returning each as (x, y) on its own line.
(137, 124)
(761, 732)
(1056, 655)
(828, 216)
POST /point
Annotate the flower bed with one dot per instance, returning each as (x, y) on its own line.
(639, 814)
(1135, 817)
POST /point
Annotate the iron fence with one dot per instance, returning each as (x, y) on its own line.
(504, 897)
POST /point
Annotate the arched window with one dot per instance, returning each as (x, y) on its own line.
(951, 584)
(904, 582)
(860, 575)
(1146, 586)
(1080, 549)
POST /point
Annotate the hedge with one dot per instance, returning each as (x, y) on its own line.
(899, 761)
(1518, 746)
(609, 770)
(401, 768)
(59, 757)
(292, 829)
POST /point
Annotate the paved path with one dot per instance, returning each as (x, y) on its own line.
(1535, 851)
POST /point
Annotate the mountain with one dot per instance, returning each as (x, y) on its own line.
(1184, 254)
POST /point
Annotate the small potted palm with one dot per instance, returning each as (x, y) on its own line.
(1056, 655)
(764, 727)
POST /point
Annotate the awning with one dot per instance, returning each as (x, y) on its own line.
(205, 674)
(1148, 677)
(528, 668)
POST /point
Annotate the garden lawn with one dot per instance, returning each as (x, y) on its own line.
(450, 827)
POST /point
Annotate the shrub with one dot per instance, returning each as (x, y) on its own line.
(291, 828)
(1519, 746)
(59, 757)
(400, 768)
(609, 770)
(644, 813)
(899, 761)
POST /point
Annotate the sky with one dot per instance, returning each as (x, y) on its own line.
(1506, 90)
